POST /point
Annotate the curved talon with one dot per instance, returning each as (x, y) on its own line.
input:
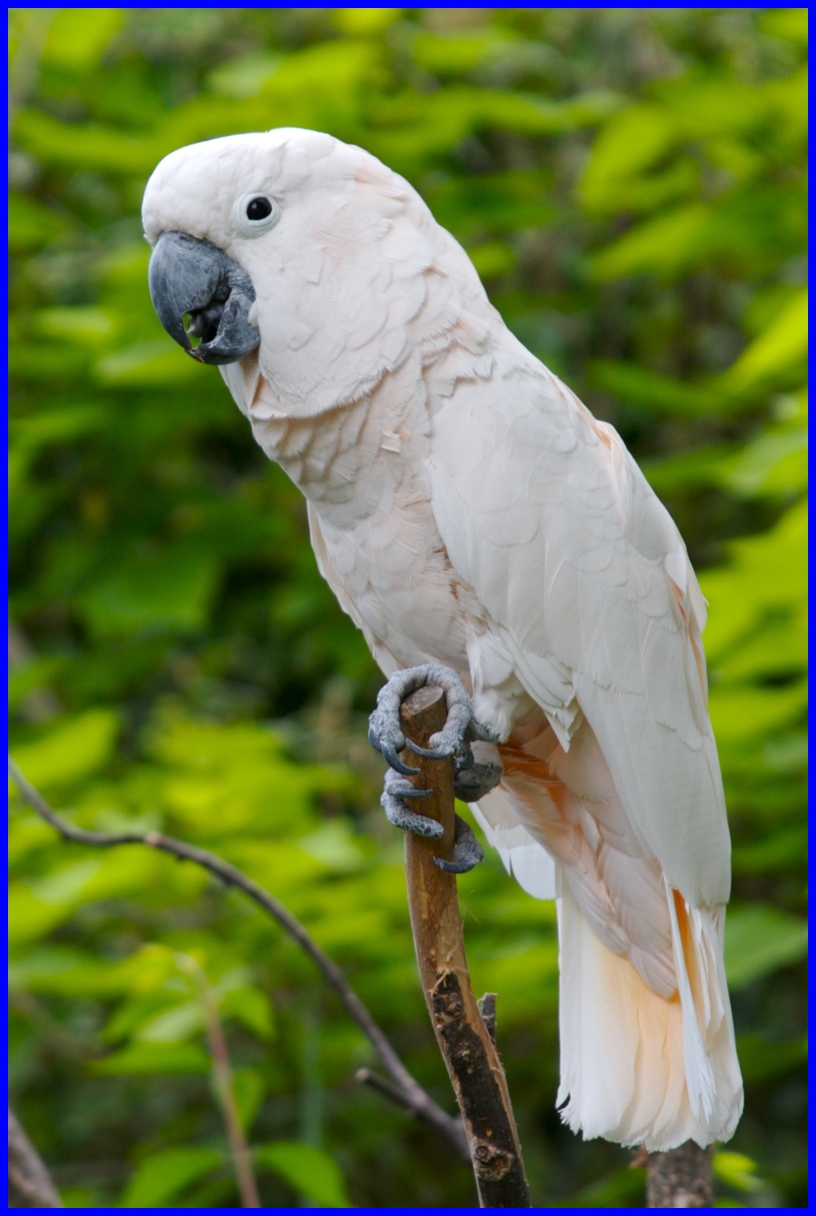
(429, 753)
(472, 780)
(394, 761)
(467, 852)
(406, 790)
(401, 815)
(398, 814)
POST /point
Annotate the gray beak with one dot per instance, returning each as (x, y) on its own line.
(191, 276)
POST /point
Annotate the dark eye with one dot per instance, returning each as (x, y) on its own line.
(258, 208)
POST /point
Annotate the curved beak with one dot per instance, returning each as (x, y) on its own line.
(191, 276)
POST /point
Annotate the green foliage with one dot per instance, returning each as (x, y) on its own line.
(630, 184)
(309, 1171)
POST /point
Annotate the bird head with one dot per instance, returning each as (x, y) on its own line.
(307, 251)
(228, 215)
(205, 207)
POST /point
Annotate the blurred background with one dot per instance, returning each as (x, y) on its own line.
(630, 184)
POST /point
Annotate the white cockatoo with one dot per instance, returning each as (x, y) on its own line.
(476, 522)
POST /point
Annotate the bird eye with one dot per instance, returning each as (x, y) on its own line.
(258, 208)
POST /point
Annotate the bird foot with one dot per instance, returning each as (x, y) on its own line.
(471, 782)
(467, 852)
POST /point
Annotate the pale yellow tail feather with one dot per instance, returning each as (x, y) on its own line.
(637, 1068)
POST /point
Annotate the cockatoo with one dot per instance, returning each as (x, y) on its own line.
(484, 531)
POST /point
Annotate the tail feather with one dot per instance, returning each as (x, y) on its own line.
(638, 1068)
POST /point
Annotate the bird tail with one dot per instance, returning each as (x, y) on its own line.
(637, 1068)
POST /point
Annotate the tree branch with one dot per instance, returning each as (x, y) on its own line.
(680, 1178)
(30, 1184)
(415, 1097)
(223, 1078)
(462, 1032)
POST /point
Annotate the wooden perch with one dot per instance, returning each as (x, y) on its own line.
(464, 1038)
(680, 1178)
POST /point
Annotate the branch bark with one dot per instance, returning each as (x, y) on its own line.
(30, 1184)
(412, 1096)
(680, 1178)
(462, 1034)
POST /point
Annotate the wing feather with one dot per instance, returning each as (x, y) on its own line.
(545, 514)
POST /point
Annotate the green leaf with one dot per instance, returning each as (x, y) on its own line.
(778, 852)
(736, 1170)
(30, 918)
(782, 345)
(148, 1058)
(30, 224)
(759, 940)
(173, 1025)
(492, 259)
(698, 467)
(163, 589)
(163, 1176)
(364, 22)
(659, 395)
(56, 426)
(139, 1011)
(775, 462)
(148, 363)
(34, 675)
(70, 750)
(760, 1060)
(632, 141)
(789, 23)
(87, 326)
(666, 246)
(766, 573)
(248, 1087)
(250, 1007)
(82, 146)
(708, 103)
(78, 36)
(454, 54)
(308, 1170)
(64, 886)
(741, 713)
(244, 76)
(334, 844)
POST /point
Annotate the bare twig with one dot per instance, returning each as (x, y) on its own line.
(416, 1098)
(30, 1184)
(464, 1039)
(222, 1075)
(680, 1178)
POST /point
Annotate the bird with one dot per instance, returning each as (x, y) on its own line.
(485, 532)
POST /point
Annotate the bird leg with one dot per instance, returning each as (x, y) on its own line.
(472, 780)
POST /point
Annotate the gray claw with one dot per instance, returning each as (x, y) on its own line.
(394, 761)
(467, 852)
(430, 753)
(401, 816)
(404, 789)
(472, 780)
(459, 729)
